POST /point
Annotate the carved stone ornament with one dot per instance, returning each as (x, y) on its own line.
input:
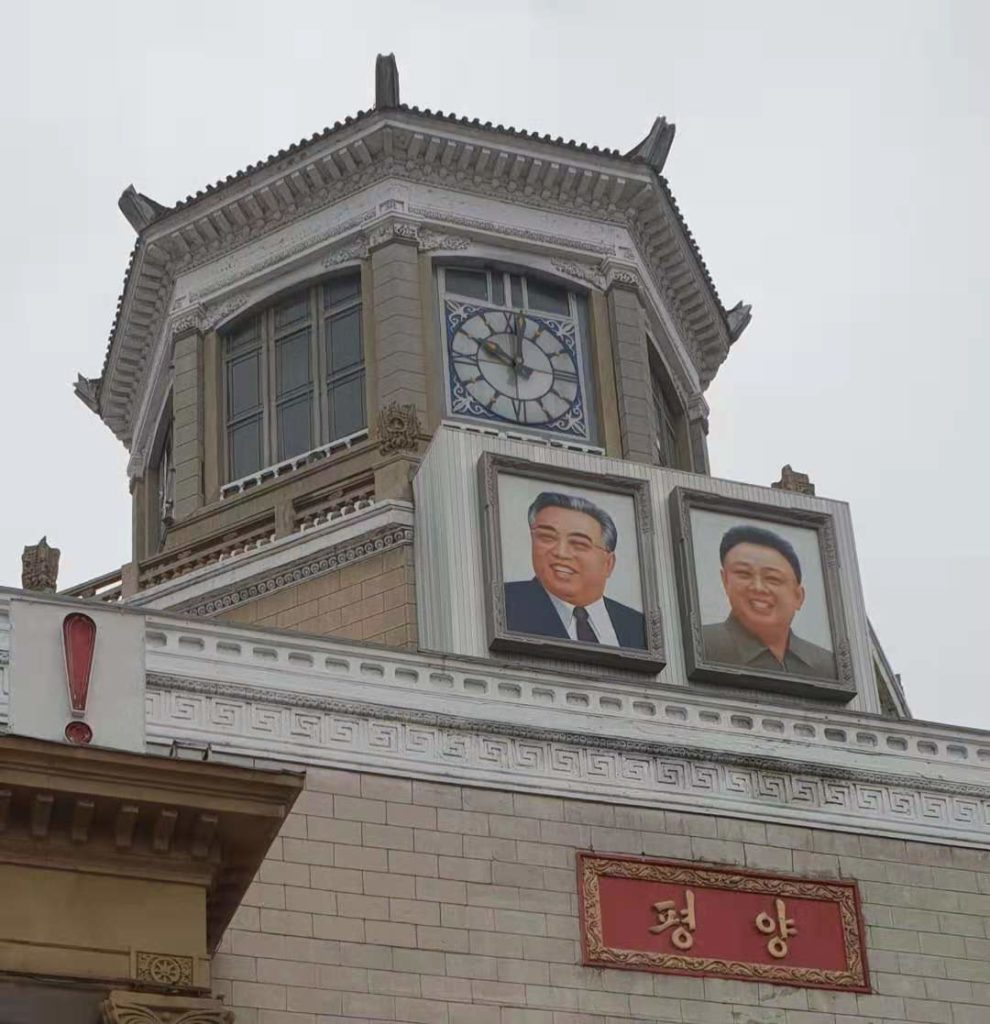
(164, 969)
(214, 315)
(391, 230)
(582, 271)
(430, 241)
(791, 480)
(190, 320)
(355, 249)
(39, 567)
(148, 1008)
(398, 428)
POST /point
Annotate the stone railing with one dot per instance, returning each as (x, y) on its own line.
(243, 539)
(280, 469)
(108, 588)
(323, 507)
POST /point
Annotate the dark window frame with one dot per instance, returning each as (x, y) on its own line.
(263, 336)
(669, 414)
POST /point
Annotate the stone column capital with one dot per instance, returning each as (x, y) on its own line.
(151, 1008)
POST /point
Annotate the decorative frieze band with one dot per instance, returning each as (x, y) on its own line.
(309, 728)
(329, 559)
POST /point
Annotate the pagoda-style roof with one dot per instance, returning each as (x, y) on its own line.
(394, 140)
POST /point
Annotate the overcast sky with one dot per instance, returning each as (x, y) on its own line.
(832, 160)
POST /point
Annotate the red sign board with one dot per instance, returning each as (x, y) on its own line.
(651, 915)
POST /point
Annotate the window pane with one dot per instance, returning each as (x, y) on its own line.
(292, 362)
(473, 283)
(243, 385)
(341, 289)
(292, 310)
(294, 424)
(344, 341)
(347, 407)
(515, 283)
(245, 448)
(547, 297)
(498, 288)
(244, 336)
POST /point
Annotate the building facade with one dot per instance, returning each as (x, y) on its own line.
(423, 524)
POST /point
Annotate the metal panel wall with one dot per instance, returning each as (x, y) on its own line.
(449, 571)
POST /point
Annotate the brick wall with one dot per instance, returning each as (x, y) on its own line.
(374, 599)
(393, 900)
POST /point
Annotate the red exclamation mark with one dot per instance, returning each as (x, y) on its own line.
(78, 643)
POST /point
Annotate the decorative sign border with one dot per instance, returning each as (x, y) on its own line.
(591, 867)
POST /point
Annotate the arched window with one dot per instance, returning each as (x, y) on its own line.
(294, 376)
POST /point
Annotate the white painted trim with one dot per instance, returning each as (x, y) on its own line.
(227, 574)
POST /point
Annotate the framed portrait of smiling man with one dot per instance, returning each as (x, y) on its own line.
(760, 596)
(569, 564)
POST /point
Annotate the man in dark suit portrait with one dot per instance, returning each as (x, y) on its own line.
(573, 548)
(761, 575)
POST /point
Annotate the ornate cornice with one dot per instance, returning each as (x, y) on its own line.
(334, 557)
(312, 728)
(527, 173)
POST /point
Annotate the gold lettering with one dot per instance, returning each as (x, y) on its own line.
(777, 946)
(668, 916)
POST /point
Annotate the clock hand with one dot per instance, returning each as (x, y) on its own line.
(494, 350)
(519, 332)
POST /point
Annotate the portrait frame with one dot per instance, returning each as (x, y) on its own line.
(838, 689)
(491, 466)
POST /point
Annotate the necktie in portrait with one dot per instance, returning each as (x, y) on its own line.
(584, 629)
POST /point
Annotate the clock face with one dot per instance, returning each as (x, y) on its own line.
(515, 367)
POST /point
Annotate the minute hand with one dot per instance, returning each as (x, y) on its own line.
(519, 333)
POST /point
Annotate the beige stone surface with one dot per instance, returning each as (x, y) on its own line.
(396, 900)
(374, 599)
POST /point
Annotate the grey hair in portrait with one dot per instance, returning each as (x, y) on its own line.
(552, 499)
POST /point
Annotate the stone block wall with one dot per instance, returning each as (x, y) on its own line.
(187, 425)
(373, 599)
(401, 369)
(387, 899)
(637, 421)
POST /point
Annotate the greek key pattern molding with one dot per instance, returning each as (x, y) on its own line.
(312, 729)
(332, 558)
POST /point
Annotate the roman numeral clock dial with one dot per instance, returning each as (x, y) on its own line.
(515, 367)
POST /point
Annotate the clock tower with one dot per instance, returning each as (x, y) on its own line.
(289, 341)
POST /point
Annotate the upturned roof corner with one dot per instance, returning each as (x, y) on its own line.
(139, 209)
(738, 319)
(87, 390)
(654, 149)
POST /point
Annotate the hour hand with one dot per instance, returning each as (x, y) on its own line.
(494, 350)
